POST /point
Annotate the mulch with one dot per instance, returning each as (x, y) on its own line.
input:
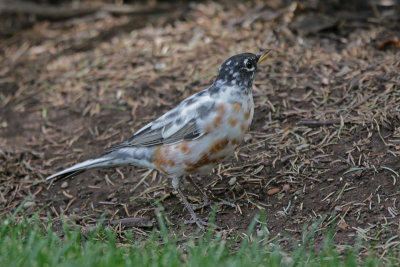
(324, 143)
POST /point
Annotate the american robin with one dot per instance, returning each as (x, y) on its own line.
(196, 135)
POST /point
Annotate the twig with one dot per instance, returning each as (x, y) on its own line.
(315, 123)
(142, 222)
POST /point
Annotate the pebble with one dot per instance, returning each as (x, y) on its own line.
(29, 204)
(286, 187)
(343, 226)
(232, 181)
(273, 191)
(64, 185)
(338, 208)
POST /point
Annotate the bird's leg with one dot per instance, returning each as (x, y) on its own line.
(200, 223)
(206, 200)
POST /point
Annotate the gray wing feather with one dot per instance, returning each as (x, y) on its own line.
(152, 137)
(174, 126)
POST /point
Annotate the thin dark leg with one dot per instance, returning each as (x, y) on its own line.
(206, 200)
(200, 223)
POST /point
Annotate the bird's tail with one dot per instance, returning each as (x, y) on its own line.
(83, 166)
(136, 156)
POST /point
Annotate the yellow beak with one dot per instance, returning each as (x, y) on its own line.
(263, 55)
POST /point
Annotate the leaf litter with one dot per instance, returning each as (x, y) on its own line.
(325, 139)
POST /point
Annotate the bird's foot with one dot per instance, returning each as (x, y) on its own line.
(199, 222)
(208, 203)
(206, 200)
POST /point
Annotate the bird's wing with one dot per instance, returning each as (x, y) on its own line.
(178, 124)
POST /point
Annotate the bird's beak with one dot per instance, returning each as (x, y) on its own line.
(263, 55)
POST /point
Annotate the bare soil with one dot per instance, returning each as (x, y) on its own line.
(325, 140)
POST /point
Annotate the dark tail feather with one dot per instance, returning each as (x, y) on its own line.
(105, 161)
(65, 176)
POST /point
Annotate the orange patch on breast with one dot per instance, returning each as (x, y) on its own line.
(203, 161)
(248, 112)
(184, 148)
(207, 158)
(221, 109)
(237, 106)
(207, 129)
(218, 119)
(217, 122)
(160, 158)
(163, 158)
(232, 122)
(217, 146)
(235, 142)
(245, 127)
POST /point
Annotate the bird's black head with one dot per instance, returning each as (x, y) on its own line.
(239, 70)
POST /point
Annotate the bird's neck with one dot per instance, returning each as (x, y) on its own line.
(231, 90)
(238, 81)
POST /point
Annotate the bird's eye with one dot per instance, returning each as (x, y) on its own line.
(249, 65)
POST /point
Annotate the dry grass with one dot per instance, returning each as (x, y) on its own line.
(325, 139)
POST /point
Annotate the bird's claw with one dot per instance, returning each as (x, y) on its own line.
(212, 203)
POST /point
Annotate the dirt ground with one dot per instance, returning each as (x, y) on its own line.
(325, 139)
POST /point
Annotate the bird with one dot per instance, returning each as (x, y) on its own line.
(193, 137)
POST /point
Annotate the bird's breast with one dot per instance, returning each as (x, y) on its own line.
(223, 130)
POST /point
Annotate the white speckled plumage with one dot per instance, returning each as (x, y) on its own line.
(194, 136)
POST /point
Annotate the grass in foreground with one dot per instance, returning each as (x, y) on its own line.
(30, 243)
